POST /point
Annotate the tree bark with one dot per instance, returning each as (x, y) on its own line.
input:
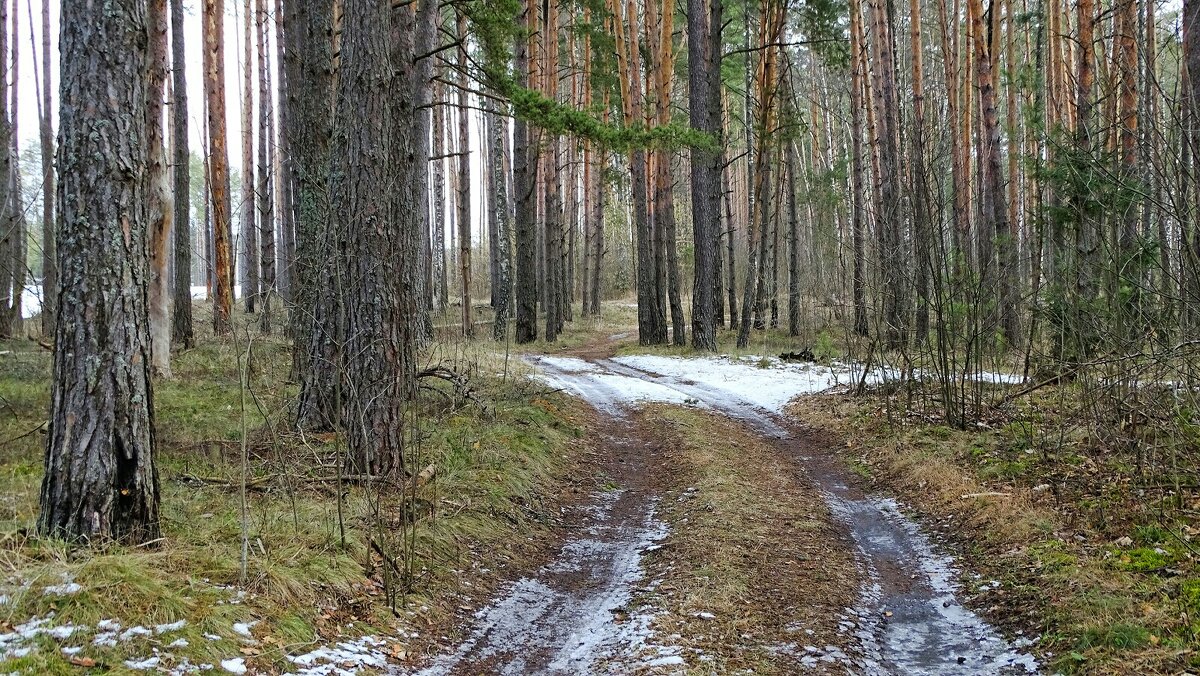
(315, 316)
(524, 180)
(440, 281)
(285, 175)
(218, 163)
(160, 208)
(248, 225)
(705, 22)
(49, 232)
(889, 224)
(993, 208)
(464, 180)
(857, 182)
(502, 225)
(922, 197)
(10, 293)
(266, 153)
(552, 221)
(181, 318)
(367, 139)
(100, 479)
(793, 245)
(20, 227)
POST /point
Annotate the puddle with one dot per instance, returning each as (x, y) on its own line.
(909, 619)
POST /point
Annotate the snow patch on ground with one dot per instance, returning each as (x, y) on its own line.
(769, 386)
(346, 657)
(171, 626)
(243, 628)
(606, 390)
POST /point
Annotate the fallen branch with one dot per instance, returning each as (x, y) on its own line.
(462, 386)
(1053, 380)
(421, 479)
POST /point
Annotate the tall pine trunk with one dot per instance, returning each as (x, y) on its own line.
(160, 209)
(705, 19)
(218, 164)
(49, 233)
(266, 154)
(248, 230)
(181, 317)
(364, 176)
(464, 180)
(316, 312)
(524, 182)
(100, 479)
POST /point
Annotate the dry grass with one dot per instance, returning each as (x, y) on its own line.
(750, 543)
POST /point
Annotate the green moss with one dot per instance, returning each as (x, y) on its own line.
(1143, 559)
(1052, 556)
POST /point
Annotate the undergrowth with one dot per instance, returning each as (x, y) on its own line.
(1095, 543)
(312, 575)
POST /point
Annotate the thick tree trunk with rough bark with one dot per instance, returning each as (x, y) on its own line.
(501, 224)
(524, 170)
(100, 479)
(425, 38)
(705, 19)
(793, 245)
(857, 182)
(315, 324)
(364, 175)
(553, 192)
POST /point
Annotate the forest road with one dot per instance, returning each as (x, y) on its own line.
(573, 615)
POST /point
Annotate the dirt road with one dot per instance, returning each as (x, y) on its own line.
(574, 616)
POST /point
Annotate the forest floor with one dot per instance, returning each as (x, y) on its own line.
(597, 507)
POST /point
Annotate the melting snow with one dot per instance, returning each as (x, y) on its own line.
(578, 629)
(243, 628)
(770, 388)
(346, 657)
(235, 665)
(67, 588)
(143, 665)
(171, 626)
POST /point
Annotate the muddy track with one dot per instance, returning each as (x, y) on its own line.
(573, 615)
